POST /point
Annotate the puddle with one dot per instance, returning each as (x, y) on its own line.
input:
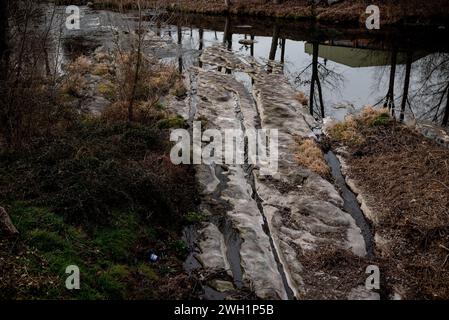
(351, 205)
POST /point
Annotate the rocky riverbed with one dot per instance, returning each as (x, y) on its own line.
(261, 229)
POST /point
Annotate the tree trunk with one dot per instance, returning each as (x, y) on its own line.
(446, 112)
(227, 34)
(283, 50)
(136, 74)
(252, 45)
(180, 60)
(201, 45)
(201, 35)
(274, 42)
(320, 95)
(389, 102)
(3, 38)
(314, 75)
(408, 69)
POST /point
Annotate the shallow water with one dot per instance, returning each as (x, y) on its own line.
(354, 64)
(353, 75)
(351, 205)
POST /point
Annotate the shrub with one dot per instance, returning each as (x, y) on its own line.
(346, 132)
(172, 122)
(97, 167)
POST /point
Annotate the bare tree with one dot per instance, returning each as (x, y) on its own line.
(274, 42)
(26, 100)
(320, 76)
(138, 62)
(389, 99)
(434, 87)
(408, 68)
(4, 48)
(445, 121)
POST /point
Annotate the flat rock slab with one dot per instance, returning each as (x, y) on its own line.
(301, 211)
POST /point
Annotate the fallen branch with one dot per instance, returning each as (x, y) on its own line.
(6, 224)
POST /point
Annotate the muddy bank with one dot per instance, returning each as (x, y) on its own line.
(402, 181)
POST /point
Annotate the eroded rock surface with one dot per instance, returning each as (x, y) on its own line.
(280, 217)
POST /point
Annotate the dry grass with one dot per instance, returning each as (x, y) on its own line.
(347, 11)
(302, 99)
(75, 81)
(348, 131)
(144, 112)
(101, 69)
(406, 178)
(371, 116)
(155, 79)
(331, 273)
(81, 65)
(310, 155)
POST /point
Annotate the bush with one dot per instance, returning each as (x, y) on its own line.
(97, 167)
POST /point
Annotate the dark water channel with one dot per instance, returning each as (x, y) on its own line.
(351, 205)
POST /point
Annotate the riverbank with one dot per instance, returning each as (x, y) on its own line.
(344, 12)
(402, 179)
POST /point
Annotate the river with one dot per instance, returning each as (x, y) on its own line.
(354, 66)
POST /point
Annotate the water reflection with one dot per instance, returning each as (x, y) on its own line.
(341, 72)
(340, 69)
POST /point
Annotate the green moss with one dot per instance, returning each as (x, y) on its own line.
(172, 122)
(107, 89)
(381, 120)
(204, 121)
(119, 271)
(84, 195)
(159, 106)
(111, 287)
(59, 260)
(148, 272)
(28, 218)
(194, 217)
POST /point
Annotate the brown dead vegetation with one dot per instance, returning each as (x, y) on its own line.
(331, 274)
(302, 99)
(346, 11)
(310, 155)
(407, 177)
